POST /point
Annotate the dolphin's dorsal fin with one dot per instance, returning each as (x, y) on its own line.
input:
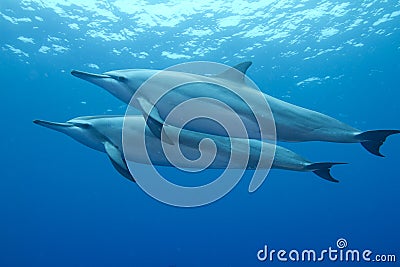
(236, 73)
(153, 120)
(118, 160)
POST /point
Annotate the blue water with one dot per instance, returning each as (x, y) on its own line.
(63, 204)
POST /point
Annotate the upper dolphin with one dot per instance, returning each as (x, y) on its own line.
(293, 123)
(104, 133)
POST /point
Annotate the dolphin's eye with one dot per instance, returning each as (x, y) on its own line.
(118, 78)
(82, 125)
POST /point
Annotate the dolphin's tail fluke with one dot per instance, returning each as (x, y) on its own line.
(323, 170)
(373, 140)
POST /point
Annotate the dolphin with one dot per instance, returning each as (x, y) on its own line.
(104, 134)
(293, 123)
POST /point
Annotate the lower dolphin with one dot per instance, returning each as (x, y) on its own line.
(104, 133)
(293, 123)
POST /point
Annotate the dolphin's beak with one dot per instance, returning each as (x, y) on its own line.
(90, 77)
(103, 80)
(57, 126)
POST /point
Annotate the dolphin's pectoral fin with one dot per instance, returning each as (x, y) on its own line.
(373, 140)
(149, 110)
(323, 170)
(236, 73)
(118, 160)
(153, 120)
(123, 171)
(158, 129)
